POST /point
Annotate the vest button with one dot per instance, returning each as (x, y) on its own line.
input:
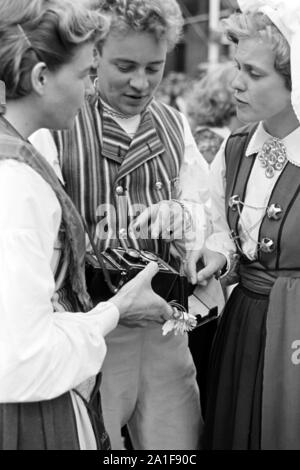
(123, 233)
(274, 212)
(267, 245)
(234, 202)
(233, 234)
(119, 190)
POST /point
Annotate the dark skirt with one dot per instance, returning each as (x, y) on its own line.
(234, 397)
(45, 425)
(51, 424)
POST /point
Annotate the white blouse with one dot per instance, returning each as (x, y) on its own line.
(42, 353)
(257, 195)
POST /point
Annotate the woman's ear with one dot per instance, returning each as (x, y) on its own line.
(39, 78)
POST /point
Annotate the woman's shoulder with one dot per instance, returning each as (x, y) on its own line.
(24, 178)
(24, 193)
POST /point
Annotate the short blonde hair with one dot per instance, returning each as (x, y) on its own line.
(162, 18)
(50, 31)
(257, 24)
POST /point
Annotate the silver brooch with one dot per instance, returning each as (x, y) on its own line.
(272, 156)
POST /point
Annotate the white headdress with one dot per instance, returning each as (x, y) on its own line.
(285, 14)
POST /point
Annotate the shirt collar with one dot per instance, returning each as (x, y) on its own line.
(291, 143)
(43, 141)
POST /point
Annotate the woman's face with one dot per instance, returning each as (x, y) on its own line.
(65, 89)
(259, 90)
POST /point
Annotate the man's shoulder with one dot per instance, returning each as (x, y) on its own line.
(164, 108)
(166, 112)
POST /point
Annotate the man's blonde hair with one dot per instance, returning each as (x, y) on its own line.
(161, 18)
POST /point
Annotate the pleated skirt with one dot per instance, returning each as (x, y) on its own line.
(234, 394)
(50, 424)
(45, 425)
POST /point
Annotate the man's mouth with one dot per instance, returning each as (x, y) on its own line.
(136, 97)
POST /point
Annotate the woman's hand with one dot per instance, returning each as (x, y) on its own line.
(212, 263)
(137, 302)
(165, 219)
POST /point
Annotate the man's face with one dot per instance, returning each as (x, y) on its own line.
(130, 69)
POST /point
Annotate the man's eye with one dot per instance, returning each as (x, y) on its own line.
(125, 68)
(151, 70)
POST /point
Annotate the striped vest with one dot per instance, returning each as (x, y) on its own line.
(286, 193)
(111, 187)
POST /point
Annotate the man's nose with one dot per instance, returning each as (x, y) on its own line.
(139, 81)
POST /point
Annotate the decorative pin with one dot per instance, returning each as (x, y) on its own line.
(267, 245)
(274, 212)
(272, 156)
(158, 185)
(234, 202)
(119, 190)
(123, 233)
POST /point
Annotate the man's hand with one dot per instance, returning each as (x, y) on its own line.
(212, 263)
(165, 219)
(137, 302)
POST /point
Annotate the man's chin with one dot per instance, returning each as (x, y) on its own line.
(134, 108)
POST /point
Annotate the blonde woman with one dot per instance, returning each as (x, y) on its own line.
(253, 393)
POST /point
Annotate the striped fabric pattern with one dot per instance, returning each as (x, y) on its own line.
(115, 142)
(96, 164)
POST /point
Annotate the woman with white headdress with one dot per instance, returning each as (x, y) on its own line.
(254, 386)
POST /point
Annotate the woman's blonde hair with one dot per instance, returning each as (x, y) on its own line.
(50, 31)
(162, 18)
(257, 24)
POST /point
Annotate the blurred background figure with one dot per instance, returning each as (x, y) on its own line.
(173, 88)
(211, 109)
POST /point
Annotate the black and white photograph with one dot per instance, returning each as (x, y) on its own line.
(149, 196)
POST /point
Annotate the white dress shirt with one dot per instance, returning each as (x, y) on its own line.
(43, 353)
(259, 189)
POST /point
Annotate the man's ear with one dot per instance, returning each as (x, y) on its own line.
(39, 76)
